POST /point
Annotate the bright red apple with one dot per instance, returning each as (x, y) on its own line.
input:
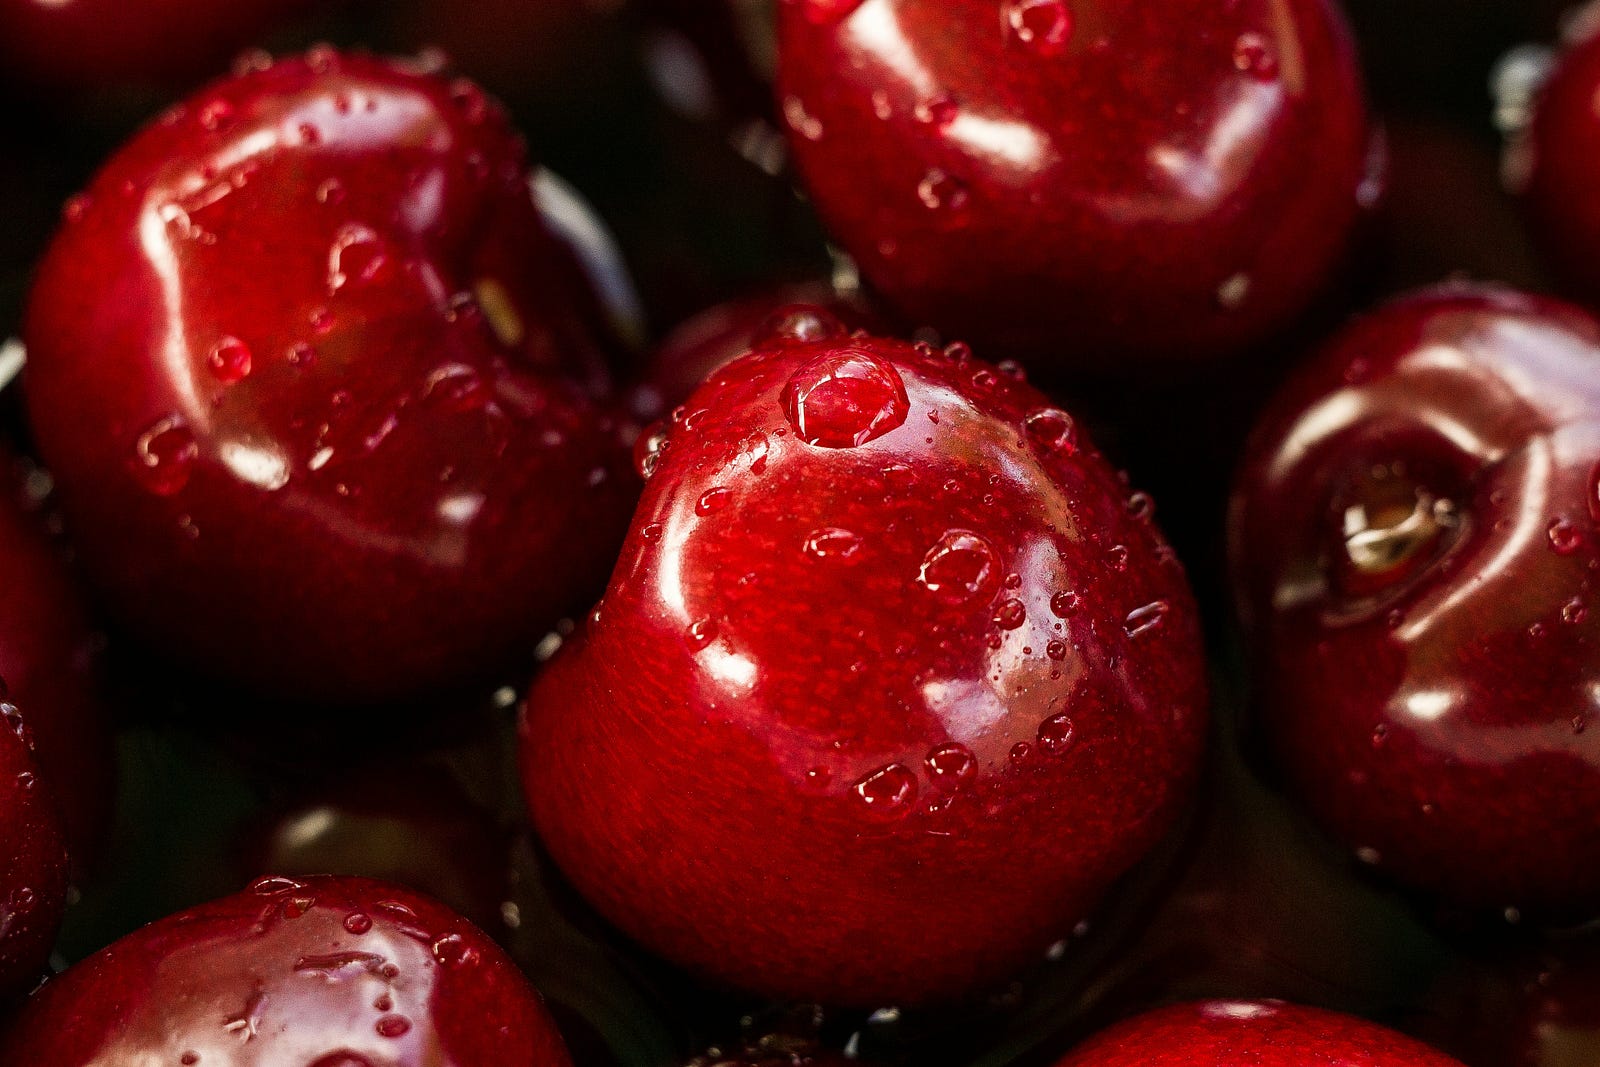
(1094, 186)
(894, 679)
(295, 361)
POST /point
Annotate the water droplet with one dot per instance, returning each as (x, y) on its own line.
(216, 115)
(331, 192)
(652, 532)
(1052, 430)
(1380, 735)
(1010, 615)
(1056, 649)
(164, 456)
(959, 567)
(804, 323)
(358, 256)
(1252, 54)
(701, 633)
(1233, 292)
(952, 765)
(941, 192)
(274, 885)
(938, 111)
(392, 1026)
(832, 543)
(713, 501)
(1565, 537)
(1056, 735)
(1574, 611)
(452, 950)
(887, 791)
(800, 120)
(357, 922)
(845, 399)
(1117, 557)
(229, 360)
(1141, 506)
(1020, 751)
(1043, 25)
(648, 450)
(1064, 603)
(1143, 620)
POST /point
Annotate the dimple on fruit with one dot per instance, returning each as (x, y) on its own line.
(894, 679)
(1414, 548)
(299, 360)
(1092, 186)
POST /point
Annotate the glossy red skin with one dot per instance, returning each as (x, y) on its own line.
(469, 497)
(1561, 151)
(273, 977)
(1265, 1033)
(1096, 205)
(50, 660)
(719, 335)
(1439, 719)
(90, 44)
(33, 858)
(713, 804)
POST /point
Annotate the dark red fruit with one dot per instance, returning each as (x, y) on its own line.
(719, 335)
(293, 361)
(89, 44)
(1224, 1033)
(893, 680)
(49, 657)
(33, 858)
(328, 972)
(1553, 160)
(1082, 183)
(1415, 552)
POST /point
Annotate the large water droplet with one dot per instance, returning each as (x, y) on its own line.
(845, 399)
(1056, 735)
(888, 791)
(960, 567)
(1045, 26)
(712, 501)
(393, 1026)
(164, 456)
(229, 360)
(701, 633)
(1010, 615)
(1052, 430)
(951, 765)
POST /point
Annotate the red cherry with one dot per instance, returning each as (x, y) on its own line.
(291, 365)
(49, 657)
(88, 44)
(1552, 161)
(719, 335)
(892, 681)
(1415, 551)
(325, 971)
(1267, 1033)
(33, 858)
(1077, 182)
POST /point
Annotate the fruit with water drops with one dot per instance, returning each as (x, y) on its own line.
(1091, 186)
(299, 363)
(891, 717)
(321, 971)
(1415, 554)
(33, 857)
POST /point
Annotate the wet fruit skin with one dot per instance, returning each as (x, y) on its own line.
(893, 679)
(1251, 1034)
(1415, 554)
(1558, 153)
(49, 658)
(33, 857)
(295, 362)
(1088, 186)
(91, 44)
(324, 972)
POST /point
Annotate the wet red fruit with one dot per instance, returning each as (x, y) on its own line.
(293, 361)
(1415, 552)
(721, 334)
(33, 858)
(89, 44)
(1224, 1033)
(1555, 161)
(327, 972)
(893, 680)
(49, 658)
(1082, 183)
